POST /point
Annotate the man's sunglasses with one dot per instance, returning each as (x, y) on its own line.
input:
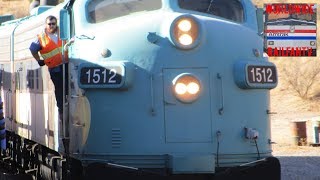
(53, 24)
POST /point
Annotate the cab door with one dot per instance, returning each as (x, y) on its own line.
(187, 122)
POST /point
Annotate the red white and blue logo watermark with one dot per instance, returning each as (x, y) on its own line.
(290, 29)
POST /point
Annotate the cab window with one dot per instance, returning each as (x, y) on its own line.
(228, 9)
(103, 10)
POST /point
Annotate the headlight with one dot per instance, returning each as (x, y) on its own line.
(185, 32)
(186, 87)
(271, 42)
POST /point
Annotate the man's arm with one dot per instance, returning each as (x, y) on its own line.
(35, 47)
(35, 55)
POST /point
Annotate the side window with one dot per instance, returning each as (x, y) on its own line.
(103, 10)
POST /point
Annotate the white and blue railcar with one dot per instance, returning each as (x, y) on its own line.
(174, 88)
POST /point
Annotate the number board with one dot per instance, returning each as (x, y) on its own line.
(108, 76)
(255, 75)
(261, 74)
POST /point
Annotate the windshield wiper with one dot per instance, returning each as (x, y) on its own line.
(209, 7)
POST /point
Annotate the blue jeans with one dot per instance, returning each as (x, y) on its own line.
(57, 79)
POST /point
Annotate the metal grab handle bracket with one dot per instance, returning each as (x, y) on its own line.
(8, 109)
(152, 95)
(222, 97)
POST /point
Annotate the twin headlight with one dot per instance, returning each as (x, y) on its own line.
(185, 32)
(186, 87)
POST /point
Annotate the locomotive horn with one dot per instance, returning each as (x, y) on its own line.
(33, 4)
(36, 3)
(48, 2)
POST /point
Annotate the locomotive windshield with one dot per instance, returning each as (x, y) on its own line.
(228, 9)
(103, 10)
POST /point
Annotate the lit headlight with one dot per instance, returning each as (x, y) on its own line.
(185, 32)
(186, 88)
(271, 43)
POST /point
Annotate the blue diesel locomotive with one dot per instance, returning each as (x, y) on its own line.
(162, 89)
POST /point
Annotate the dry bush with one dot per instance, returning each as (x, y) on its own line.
(301, 76)
(19, 8)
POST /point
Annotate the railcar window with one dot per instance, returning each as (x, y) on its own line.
(228, 9)
(103, 10)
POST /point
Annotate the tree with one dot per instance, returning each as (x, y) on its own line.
(301, 76)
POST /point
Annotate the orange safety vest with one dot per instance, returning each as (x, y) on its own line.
(50, 51)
